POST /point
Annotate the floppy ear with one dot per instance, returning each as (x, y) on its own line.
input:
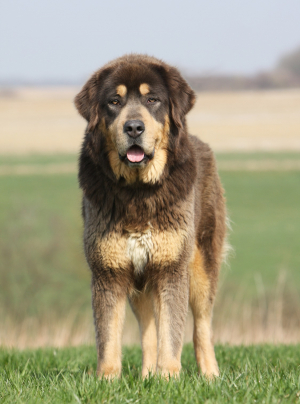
(87, 101)
(182, 97)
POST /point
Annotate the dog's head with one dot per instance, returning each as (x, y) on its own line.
(137, 104)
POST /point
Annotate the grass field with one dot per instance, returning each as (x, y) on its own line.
(262, 374)
(44, 280)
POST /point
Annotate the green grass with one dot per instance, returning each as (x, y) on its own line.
(265, 214)
(37, 159)
(262, 374)
(257, 156)
(44, 276)
(42, 265)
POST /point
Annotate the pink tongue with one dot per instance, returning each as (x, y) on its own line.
(135, 154)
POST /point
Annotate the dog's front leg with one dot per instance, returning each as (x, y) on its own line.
(170, 296)
(109, 311)
(143, 309)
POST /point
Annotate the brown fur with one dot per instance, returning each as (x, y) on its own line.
(154, 229)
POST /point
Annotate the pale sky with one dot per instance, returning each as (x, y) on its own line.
(69, 39)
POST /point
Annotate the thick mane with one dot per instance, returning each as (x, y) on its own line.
(103, 190)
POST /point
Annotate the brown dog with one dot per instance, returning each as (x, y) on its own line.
(154, 214)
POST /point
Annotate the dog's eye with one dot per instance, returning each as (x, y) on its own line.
(151, 100)
(115, 102)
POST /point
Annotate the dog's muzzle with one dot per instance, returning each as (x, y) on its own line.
(134, 128)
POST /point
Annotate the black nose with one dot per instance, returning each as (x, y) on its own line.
(134, 128)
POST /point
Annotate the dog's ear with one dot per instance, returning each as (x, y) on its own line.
(182, 97)
(87, 100)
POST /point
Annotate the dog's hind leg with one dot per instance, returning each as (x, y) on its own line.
(142, 307)
(201, 302)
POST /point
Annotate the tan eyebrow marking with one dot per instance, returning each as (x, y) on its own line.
(144, 89)
(121, 90)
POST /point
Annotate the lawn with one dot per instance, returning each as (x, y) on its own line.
(262, 373)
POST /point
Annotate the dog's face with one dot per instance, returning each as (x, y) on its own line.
(135, 117)
(132, 103)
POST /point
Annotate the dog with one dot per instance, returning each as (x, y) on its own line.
(154, 214)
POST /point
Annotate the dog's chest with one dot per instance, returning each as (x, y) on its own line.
(119, 250)
(140, 249)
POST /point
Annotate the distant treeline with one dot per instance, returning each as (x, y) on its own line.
(265, 80)
(286, 74)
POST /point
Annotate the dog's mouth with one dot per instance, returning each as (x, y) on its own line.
(136, 156)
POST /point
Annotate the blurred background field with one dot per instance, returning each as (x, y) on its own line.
(44, 280)
(44, 120)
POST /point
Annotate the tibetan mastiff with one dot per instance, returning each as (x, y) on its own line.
(154, 214)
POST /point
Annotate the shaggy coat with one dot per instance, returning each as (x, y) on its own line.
(154, 214)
